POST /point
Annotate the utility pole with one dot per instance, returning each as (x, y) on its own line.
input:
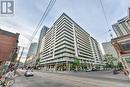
(18, 50)
(20, 56)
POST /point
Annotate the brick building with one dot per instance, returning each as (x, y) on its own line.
(8, 45)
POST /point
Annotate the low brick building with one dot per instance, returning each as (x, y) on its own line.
(8, 45)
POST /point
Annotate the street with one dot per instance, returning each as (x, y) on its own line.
(44, 79)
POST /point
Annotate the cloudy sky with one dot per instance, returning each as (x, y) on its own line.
(87, 13)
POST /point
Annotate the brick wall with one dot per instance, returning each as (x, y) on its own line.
(7, 45)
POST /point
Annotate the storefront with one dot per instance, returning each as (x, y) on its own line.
(122, 46)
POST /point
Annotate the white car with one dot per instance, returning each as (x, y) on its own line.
(88, 70)
(29, 73)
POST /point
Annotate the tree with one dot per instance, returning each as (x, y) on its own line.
(119, 66)
(37, 62)
(109, 60)
(76, 64)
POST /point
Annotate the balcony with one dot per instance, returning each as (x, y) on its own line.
(63, 51)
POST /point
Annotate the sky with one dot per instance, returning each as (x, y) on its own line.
(87, 13)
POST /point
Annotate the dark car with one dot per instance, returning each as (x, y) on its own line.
(115, 71)
(94, 69)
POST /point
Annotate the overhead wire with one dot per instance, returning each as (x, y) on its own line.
(104, 13)
(49, 7)
(105, 16)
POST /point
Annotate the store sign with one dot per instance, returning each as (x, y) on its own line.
(125, 46)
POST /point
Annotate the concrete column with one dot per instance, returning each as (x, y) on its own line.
(90, 66)
(81, 65)
(75, 43)
(68, 66)
(55, 67)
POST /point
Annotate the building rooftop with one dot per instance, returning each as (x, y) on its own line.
(64, 14)
(3, 32)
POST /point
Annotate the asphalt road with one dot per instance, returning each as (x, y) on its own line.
(44, 79)
(102, 75)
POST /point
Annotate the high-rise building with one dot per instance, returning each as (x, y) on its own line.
(64, 43)
(32, 49)
(31, 56)
(109, 49)
(42, 34)
(8, 45)
(122, 27)
(96, 51)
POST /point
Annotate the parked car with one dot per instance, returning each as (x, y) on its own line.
(94, 69)
(29, 73)
(115, 71)
(88, 70)
(39, 68)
